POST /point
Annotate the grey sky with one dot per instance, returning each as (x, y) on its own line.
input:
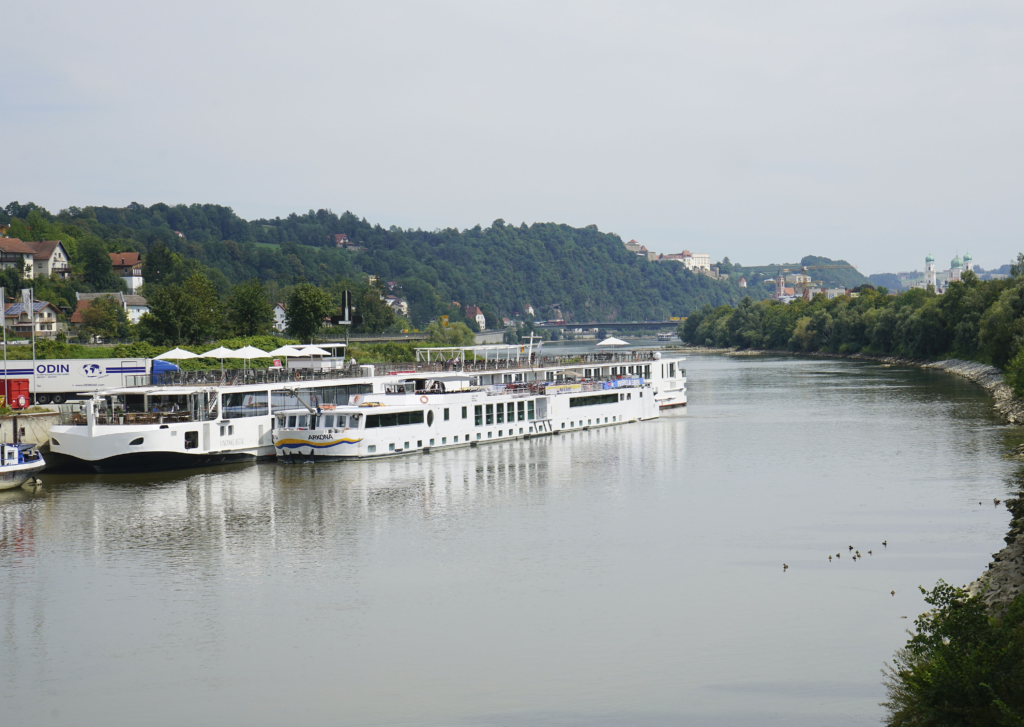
(873, 131)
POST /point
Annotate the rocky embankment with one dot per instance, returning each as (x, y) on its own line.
(1004, 578)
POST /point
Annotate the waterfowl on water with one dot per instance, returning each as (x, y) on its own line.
(784, 567)
(885, 543)
(869, 552)
(830, 559)
(851, 547)
(893, 592)
(996, 500)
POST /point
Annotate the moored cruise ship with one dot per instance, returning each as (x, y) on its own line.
(194, 422)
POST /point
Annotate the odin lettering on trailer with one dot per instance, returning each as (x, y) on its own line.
(53, 369)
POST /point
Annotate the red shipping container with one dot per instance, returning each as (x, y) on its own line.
(16, 393)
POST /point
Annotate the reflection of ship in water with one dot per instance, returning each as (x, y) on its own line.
(246, 510)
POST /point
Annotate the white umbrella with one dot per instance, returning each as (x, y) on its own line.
(313, 351)
(286, 351)
(178, 354)
(612, 341)
(252, 352)
(221, 353)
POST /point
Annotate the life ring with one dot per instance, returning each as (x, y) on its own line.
(424, 400)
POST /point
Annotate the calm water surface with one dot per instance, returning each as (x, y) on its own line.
(625, 576)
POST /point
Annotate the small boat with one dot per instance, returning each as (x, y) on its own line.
(19, 463)
(666, 336)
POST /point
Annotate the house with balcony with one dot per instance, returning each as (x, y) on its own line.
(45, 320)
(35, 259)
(128, 267)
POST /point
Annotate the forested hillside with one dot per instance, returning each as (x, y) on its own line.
(586, 273)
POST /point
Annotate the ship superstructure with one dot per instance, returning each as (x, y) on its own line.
(201, 419)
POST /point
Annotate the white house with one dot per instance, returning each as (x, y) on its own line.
(280, 318)
(16, 318)
(475, 314)
(128, 266)
(696, 261)
(396, 304)
(50, 258)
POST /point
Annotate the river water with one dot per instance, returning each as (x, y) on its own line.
(624, 576)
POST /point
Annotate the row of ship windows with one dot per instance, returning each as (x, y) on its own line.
(392, 447)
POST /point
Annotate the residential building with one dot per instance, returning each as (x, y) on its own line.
(50, 258)
(475, 314)
(743, 282)
(128, 267)
(340, 240)
(45, 319)
(528, 309)
(280, 318)
(134, 305)
(396, 304)
(17, 254)
(831, 293)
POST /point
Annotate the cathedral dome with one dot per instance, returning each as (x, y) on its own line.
(929, 258)
(967, 258)
(956, 262)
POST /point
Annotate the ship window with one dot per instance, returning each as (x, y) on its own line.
(191, 440)
(431, 442)
(490, 435)
(327, 421)
(393, 420)
(501, 413)
(291, 422)
(137, 441)
(245, 404)
(529, 410)
(370, 449)
(591, 400)
(520, 430)
(501, 432)
(465, 412)
(478, 415)
(446, 414)
(419, 443)
(478, 435)
(511, 406)
(522, 410)
(391, 447)
(302, 421)
(406, 446)
(430, 418)
(629, 395)
(490, 414)
(222, 430)
(444, 440)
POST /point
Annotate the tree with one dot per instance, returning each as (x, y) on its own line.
(187, 313)
(372, 315)
(307, 308)
(249, 309)
(457, 334)
(96, 266)
(158, 264)
(961, 667)
(105, 317)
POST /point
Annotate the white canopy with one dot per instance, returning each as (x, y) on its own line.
(222, 352)
(313, 351)
(613, 341)
(286, 351)
(251, 352)
(177, 354)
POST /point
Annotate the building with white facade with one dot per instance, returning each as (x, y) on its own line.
(280, 318)
(128, 267)
(46, 319)
(134, 305)
(34, 259)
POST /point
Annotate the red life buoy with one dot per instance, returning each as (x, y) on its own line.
(424, 400)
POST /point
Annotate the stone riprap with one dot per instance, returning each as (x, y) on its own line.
(1005, 576)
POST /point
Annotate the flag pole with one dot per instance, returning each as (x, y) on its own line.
(3, 301)
(28, 301)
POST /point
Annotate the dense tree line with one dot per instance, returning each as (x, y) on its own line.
(580, 274)
(974, 320)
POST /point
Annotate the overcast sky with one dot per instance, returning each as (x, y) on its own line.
(765, 131)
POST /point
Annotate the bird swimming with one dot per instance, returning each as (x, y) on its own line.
(885, 543)
(784, 567)
(893, 592)
(869, 552)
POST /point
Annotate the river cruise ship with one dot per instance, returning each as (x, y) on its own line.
(195, 419)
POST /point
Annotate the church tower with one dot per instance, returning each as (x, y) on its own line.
(929, 271)
(968, 262)
(955, 268)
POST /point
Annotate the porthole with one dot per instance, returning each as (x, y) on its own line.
(430, 418)
(136, 441)
(55, 441)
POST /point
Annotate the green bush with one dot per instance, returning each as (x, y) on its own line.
(961, 667)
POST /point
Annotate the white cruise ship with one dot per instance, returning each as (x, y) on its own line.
(195, 423)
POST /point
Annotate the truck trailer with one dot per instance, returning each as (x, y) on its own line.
(59, 380)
